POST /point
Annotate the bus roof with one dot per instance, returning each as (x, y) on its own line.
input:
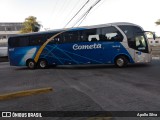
(76, 28)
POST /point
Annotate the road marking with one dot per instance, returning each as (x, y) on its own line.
(24, 93)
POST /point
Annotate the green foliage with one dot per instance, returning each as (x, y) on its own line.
(158, 22)
(30, 25)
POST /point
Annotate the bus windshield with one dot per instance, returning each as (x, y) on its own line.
(135, 37)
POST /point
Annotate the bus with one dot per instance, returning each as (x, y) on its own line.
(114, 43)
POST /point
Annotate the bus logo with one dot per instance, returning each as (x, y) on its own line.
(11, 49)
(84, 47)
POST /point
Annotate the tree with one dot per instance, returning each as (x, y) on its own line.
(158, 22)
(30, 25)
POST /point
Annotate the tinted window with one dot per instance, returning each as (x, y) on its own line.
(70, 36)
(101, 34)
(56, 40)
(90, 35)
(23, 41)
(13, 42)
(136, 38)
(110, 34)
(37, 40)
(18, 41)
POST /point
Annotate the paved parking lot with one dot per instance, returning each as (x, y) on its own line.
(84, 88)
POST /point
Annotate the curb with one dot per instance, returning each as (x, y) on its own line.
(24, 93)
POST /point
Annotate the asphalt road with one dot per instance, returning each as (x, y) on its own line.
(84, 88)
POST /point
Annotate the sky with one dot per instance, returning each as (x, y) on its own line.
(54, 14)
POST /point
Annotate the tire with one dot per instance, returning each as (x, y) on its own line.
(31, 64)
(121, 61)
(42, 63)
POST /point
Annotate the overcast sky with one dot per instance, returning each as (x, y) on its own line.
(55, 14)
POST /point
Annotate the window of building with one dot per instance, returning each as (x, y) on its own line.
(2, 28)
(3, 37)
(8, 29)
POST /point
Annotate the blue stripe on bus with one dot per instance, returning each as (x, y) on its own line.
(65, 54)
(68, 55)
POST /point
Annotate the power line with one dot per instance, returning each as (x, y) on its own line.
(60, 9)
(71, 12)
(77, 13)
(82, 18)
(97, 6)
(89, 11)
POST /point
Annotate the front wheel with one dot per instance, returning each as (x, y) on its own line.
(121, 61)
(42, 63)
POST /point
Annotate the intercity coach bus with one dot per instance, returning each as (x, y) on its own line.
(114, 43)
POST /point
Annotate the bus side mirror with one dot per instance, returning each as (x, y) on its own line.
(154, 36)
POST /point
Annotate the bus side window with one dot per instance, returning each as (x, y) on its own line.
(93, 38)
(82, 36)
(140, 42)
(13, 42)
(90, 35)
(111, 34)
(48, 36)
(23, 41)
(56, 40)
(42, 39)
(37, 40)
(70, 36)
(33, 41)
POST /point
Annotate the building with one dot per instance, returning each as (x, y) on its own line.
(155, 42)
(7, 30)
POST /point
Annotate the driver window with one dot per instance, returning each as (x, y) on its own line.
(140, 42)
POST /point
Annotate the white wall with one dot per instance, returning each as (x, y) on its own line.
(155, 42)
(3, 51)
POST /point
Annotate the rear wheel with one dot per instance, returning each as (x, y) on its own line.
(121, 61)
(42, 63)
(31, 64)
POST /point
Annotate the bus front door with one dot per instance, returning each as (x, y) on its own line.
(141, 50)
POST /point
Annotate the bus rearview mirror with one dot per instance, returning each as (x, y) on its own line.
(154, 36)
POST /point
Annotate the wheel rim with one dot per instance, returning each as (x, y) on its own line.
(42, 64)
(120, 62)
(31, 64)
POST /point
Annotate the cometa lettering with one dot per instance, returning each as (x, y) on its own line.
(83, 47)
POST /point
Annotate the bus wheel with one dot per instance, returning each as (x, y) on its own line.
(121, 61)
(42, 63)
(31, 64)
